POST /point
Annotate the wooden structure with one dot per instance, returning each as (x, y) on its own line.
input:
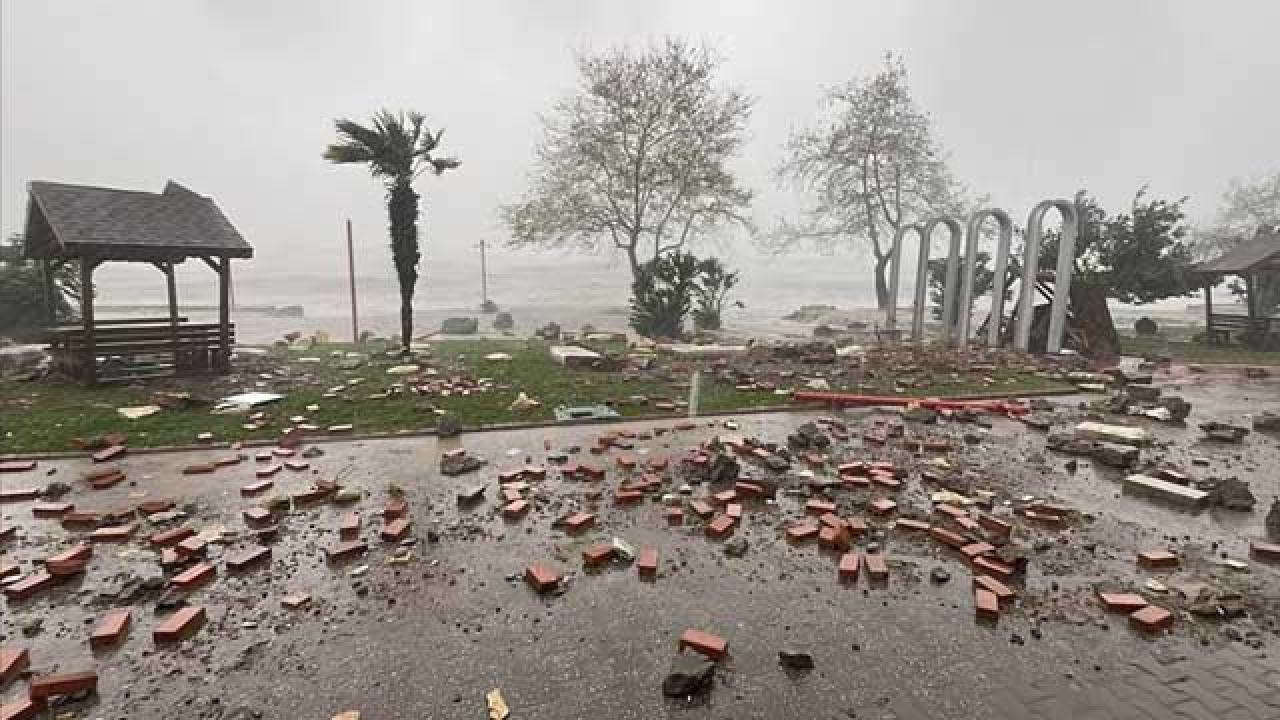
(93, 225)
(1254, 258)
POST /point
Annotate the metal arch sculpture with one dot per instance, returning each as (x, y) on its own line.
(895, 271)
(949, 283)
(972, 231)
(1062, 277)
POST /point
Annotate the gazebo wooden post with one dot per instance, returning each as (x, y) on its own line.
(1250, 300)
(171, 285)
(90, 370)
(224, 313)
(48, 287)
(1208, 310)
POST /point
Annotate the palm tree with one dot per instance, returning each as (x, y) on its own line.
(398, 148)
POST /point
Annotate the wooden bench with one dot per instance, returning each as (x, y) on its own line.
(142, 347)
(1226, 324)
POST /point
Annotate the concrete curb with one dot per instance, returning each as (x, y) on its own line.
(499, 427)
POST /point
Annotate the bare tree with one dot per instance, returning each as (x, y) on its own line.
(636, 159)
(870, 167)
(1246, 206)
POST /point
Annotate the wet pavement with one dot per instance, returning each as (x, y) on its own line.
(430, 636)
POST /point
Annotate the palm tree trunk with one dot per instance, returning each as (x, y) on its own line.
(402, 206)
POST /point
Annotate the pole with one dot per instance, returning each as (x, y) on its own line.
(351, 280)
(484, 277)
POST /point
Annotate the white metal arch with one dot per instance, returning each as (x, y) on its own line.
(1062, 277)
(895, 270)
(972, 235)
(949, 283)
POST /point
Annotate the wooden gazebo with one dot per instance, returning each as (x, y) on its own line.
(1254, 258)
(95, 225)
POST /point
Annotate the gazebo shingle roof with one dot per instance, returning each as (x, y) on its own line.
(80, 220)
(1262, 250)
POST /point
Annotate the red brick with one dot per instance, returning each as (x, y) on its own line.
(995, 526)
(701, 509)
(297, 465)
(310, 495)
(834, 521)
(18, 494)
(833, 538)
(194, 576)
(627, 497)
(151, 507)
(9, 569)
(46, 686)
(51, 509)
(950, 511)
(169, 558)
(856, 526)
(346, 549)
(986, 604)
(593, 472)
(541, 578)
(257, 514)
(510, 495)
(267, 471)
(13, 660)
(295, 602)
(947, 537)
(117, 533)
(705, 643)
(626, 461)
(255, 488)
(647, 563)
(80, 518)
(973, 550)
(180, 625)
(1157, 559)
(877, 568)
(724, 497)
(853, 468)
(1044, 508)
(911, 525)
(882, 506)
(199, 469)
(111, 628)
(801, 532)
(171, 537)
(658, 464)
(720, 526)
(1043, 518)
(110, 453)
(283, 452)
(30, 585)
(248, 558)
(515, 510)
(734, 511)
(193, 545)
(349, 526)
(395, 530)
(106, 480)
(748, 489)
(7, 466)
(1000, 590)
(1122, 602)
(818, 508)
(21, 709)
(850, 564)
(992, 567)
(578, 523)
(8, 532)
(395, 507)
(227, 460)
(1152, 619)
(597, 555)
(887, 481)
(968, 524)
(675, 516)
(1267, 552)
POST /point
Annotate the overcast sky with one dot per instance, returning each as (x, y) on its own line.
(236, 98)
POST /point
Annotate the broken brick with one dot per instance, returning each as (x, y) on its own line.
(193, 545)
(705, 643)
(13, 660)
(833, 538)
(151, 507)
(256, 514)
(194, 576)
(395, 530)
(856, 526)
(887, 481)
(116, 533)
(748, 489)
(701, 509)
(597, 555)
(647, 563)
(993, 567)
(295, 602)
(734, 511)
(46, 686)
(947, 537)
(541, 578)
(510, 495)
(1267, 552)
(911, 525)
(255, 488)
(877, 568)
(1157, 559)
(297, 465)
(7, 466)
(248, 558)
(968, 524)
(850, 564)
(800, 532)
(395, 507)
(346, 549)
(171, 537)
(1000, 590)
(950, 511)
(514, 510)
(720, 526)
(675, 516)
(882, 506)
(579, 523)
(627, 497)
(180, 625)
(268, 470)
(51, 509)
(80, 518)
(1043, 518)
(228, 460)
(30, 585)
(18, 494)
(986, 604)
(818, 508)
(106, 479)
(109, 453)
(111, 629)
(973, 550)
(199, 469)
(21, 709)
(1122, 602)
(833, 520)
(995, 526)
(349, 526)
(1152, 619)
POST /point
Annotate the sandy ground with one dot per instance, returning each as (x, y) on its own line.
(429, 637)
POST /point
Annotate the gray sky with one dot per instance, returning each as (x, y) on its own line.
(236, 98)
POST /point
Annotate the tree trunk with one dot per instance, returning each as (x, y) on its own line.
(635, 261)
(1091, 320)
(882, 282)
(402, 206)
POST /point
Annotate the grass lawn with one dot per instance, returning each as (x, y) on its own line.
(36, 417)
(1186, 351)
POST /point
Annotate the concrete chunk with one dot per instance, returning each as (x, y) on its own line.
(1120, 434)
(1167, 491)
